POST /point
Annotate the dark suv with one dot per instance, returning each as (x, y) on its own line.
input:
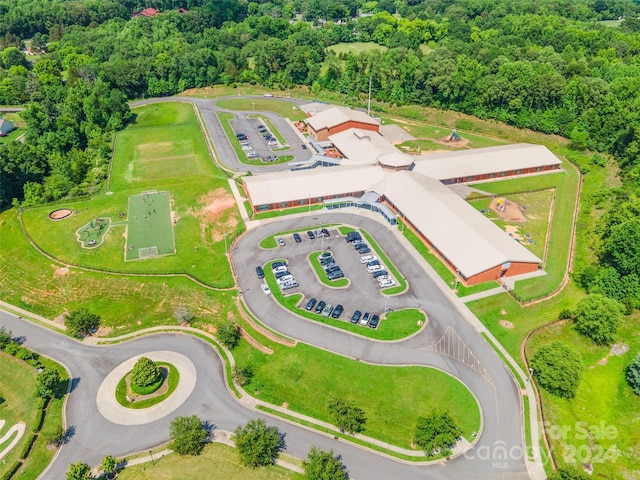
(320, 306)
(337, 311)
(356, 316)
(310, 303)
(259, 272)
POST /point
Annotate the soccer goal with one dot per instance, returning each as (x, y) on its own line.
(147, 252)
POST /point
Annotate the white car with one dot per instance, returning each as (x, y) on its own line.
(278, 269)
(374, 268)
(246, 148)
(387, 283)
(265, 289)
(367, 258)
(268, 95)
(285, 279)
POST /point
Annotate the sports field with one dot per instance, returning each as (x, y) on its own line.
(149, 228)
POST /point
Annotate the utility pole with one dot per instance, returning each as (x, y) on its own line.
(369, 102)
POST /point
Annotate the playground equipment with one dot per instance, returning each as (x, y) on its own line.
(454, 136)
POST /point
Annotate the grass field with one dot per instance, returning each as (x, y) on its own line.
(282, 107)
(216, 457)
(149, 226)
(184, 169)
(392, 397)
(356, 47)
(604, 401)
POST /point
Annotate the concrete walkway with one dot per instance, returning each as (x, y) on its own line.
(487, 293)
(239, 199)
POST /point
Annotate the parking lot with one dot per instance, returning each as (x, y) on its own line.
(363, 291)
(263, 147)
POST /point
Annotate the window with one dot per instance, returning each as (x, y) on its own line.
(470, 179)
(502, 174)
(303, 202)
(283, 204)
(492, 175)
(518, 172)
(263, 207)
(538, 169)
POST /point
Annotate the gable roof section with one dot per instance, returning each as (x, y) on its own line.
(443, 166)
(469, 240)
(317, 182)
(365, 146)
(6, 126)
(334, 116)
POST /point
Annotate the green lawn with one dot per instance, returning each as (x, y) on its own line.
(184, 169)
(322, 276)
(282, 107)
(604, 401)
(216, 457)
(356, 47)
(393, 398)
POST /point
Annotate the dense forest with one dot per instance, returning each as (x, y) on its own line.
(551, 66)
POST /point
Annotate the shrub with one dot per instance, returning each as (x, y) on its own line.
(145, 373)
(229, 334)
(598, 317)
(558, 369)
(633, 374)
(81, 322)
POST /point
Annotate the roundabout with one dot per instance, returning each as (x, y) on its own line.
(110, 409)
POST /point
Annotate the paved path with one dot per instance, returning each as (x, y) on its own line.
(487, 293)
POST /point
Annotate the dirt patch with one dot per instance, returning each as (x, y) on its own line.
(207, 327)
(59, 320)
(461, 142)
(60, 214)
(507, 210)
(103, 331)
(506, 324)
(216, 213)
(512, 230)
(285, 405)
(60, 272)
(619, 349)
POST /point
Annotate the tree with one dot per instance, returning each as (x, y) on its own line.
(242, 375)
(182, 314)
(6, 337)
(229, 334)
(258, 444)
(81, 322)
(47, 383)
(569, 473)
(79, 471)
(437, 433)
(633, 374)
(598, 317)
(188, 435)
(145, 372)
(321, 465)
(347, 416)
(557, 368)
(109, 464)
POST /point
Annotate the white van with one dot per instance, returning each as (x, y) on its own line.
(367, 258)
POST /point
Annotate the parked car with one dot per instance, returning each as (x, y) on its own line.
(281, 242)
(259, 272)
(325, 255)
(327, 310)
(241, 136)
(252, 154)
(353, 237)
(362, 251)
(380, 274)
(288, 285)
(374, 268)
(277, 264)
(265, 289)
(373, 262)
(268, 95)
(310, 235)
(365, 319)
(321, 304)
(304, 147)
(367, 258)
(297, 238)
(285, 279)
(282, 273)
(335, 275)
(337, 311)
(361, 246)
(310, 304)
(356, 316)
(373, 323)
(387, 283)
(278, 268)
(246, 148)
(325, 232)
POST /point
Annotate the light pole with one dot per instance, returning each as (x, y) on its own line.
(151, 455)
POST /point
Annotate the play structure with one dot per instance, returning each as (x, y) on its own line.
(92, 234)
(454, 137)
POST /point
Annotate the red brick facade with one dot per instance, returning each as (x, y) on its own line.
(498, 175)
(322, 135)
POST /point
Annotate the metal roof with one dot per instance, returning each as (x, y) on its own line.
(443, 166)
(277, 187)
(335, 116)
(469, 240)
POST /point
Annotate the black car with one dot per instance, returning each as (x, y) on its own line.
(241, 136)
(379, 273)
(362, 251)
(333, 271)
(360, 246)
(373, 262)
(320, 306)
(304, 147)
(310, 235)
(278, 264)
(259, 272)
(335, 275)
(282, 274)
(325, 232)
(297, 238)
(337, 311)
(310, 303)
(373, 323)
(353, 236)
(356, 316)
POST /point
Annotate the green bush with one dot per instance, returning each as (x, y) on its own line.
(148, 390)
(145, 373)
(28, 445)
(12, 471)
